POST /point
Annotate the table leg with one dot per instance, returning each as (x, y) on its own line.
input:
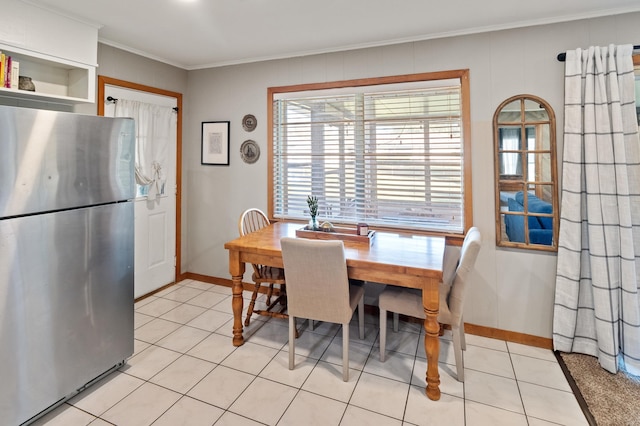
(430, 302)
(236, 304)
(236, 268)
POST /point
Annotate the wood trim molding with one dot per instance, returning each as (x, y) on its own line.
(212, 280)
(226, 282)
(509, 336)
(102, 81)
(477, 330)
(462, 74)
(151, 293)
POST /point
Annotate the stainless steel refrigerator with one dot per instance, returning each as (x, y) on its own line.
(66, 255)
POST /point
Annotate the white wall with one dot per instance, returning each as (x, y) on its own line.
(515, 288)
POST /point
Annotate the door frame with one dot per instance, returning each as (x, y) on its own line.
(102, 82)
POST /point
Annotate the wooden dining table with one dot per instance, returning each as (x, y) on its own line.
(395, 258)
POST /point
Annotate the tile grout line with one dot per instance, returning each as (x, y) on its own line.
(299, 388)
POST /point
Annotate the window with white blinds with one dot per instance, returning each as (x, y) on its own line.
(390, 155)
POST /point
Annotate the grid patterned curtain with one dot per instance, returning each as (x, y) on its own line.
(597, 307)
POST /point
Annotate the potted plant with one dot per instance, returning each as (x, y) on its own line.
(312, 202)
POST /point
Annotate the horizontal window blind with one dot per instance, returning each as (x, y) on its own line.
(390, 158)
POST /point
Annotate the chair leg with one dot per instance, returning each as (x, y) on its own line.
(269, 294)
(361, 318)
(457, 350)
(310, 324)
(463, 342)
(396, 319)
(383, 333)
(292, 342)
(252, 304)
(345, 352)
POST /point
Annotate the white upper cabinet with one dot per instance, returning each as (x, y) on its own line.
(59, 53)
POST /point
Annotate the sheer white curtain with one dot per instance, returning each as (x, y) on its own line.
(153, 132)
(510, 164)
(597, 307)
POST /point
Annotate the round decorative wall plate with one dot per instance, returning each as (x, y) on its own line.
(249, 122)
(249, 151)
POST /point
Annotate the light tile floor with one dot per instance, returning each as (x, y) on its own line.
(185, 371)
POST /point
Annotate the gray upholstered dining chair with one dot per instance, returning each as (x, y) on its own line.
(318, 289)
(253, 220)
(455, 280)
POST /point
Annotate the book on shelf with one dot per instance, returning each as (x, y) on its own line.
(3, 69)
(7, 76)
(9, 72)
(15, 74)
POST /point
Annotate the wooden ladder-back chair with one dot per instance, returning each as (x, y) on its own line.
(250, 221)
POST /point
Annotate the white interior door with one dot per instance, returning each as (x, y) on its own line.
(155, 220)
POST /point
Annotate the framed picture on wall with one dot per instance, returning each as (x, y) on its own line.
(215, 143)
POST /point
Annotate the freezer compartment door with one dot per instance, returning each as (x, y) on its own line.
(55, 160)
(66, 304)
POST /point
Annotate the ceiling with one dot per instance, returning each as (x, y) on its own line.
(193, 34)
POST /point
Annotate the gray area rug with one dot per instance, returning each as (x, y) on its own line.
(607, 399)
